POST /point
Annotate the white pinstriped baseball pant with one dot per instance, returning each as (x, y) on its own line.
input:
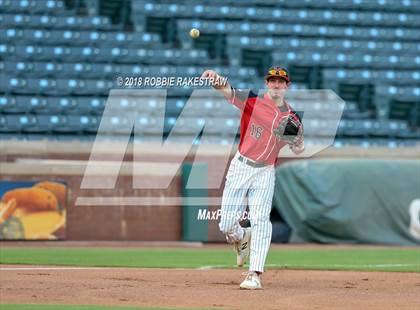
(258, 185)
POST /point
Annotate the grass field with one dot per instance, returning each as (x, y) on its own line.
(369, 259)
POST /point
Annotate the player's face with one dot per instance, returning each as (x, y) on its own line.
(276, 87)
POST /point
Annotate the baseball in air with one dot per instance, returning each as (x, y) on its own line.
(194, 33)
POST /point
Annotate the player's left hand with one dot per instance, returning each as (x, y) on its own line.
(290, 129)
(297, 144)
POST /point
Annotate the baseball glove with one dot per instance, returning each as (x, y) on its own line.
(290, 129)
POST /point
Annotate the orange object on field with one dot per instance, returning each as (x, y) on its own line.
(32, 199)
(59, 189)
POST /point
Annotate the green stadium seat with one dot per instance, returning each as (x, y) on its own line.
(68, 124)
(90, 105)
(9, 123)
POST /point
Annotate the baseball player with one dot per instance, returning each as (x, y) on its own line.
(267, 124)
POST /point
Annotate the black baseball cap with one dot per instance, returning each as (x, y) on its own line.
(278, 72)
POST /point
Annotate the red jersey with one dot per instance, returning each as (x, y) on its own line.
(260, 117)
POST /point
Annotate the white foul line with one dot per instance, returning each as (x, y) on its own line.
(344, 266)
(49, 268)
(79, 268)
(203, 267)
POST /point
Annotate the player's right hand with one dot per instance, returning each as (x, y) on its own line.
(217, 81)
(209, 74)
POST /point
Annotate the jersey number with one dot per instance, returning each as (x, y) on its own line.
(256, 131)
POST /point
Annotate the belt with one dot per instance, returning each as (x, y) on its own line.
(251, 163)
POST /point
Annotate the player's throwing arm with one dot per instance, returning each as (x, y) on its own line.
(219, 83)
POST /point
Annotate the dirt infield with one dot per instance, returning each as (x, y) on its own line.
(213, 288)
